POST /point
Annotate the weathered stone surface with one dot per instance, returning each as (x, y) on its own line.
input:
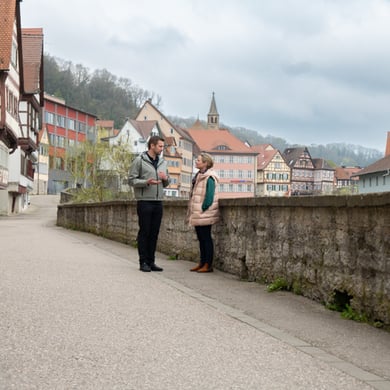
(319, 245)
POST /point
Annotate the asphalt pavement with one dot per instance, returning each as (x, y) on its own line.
(76, 313)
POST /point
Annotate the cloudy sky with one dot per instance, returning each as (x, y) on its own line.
(309, 71)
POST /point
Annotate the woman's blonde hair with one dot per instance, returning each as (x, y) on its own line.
(206, 158)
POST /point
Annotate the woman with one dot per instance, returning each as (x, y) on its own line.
(203, 209)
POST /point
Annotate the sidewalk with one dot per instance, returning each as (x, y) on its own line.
(76, 313)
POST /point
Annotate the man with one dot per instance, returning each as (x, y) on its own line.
(149, 175)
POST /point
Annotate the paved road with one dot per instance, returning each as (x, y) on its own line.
(75, 313)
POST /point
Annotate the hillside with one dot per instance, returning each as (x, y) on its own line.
(117, 98)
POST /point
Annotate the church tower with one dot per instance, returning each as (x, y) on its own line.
(213, 116)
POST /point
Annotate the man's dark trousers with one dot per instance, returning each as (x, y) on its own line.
(149, 221)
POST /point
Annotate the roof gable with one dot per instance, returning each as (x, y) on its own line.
(144, 128)
(293, 156)
(153, 107)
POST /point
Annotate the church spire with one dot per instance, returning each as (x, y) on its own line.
(213, 116)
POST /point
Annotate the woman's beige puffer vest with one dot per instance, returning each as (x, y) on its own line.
(196, 216)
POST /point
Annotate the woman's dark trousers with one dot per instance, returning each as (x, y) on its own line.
(206, 245)
(149, 221)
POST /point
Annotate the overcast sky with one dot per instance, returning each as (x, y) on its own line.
(309, 71)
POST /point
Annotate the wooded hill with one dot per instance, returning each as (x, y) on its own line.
(117, 98)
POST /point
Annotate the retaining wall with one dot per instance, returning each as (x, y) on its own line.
(319, 245)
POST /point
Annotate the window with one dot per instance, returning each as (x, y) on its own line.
(58, 163)
(49, 117)
(60, 121)
(72, 124)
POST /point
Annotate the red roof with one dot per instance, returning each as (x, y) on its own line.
(7, 19)
(345, 173)
(218, 141)
(32, 45)
(103, 123)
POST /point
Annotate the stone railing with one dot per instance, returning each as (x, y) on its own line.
(320, 246)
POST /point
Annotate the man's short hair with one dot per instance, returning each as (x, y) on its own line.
(154, 140)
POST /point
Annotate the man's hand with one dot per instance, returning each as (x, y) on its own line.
(153, 181)
(162, 176)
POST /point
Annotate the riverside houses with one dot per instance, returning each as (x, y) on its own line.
(234, 161)
(21, 100)
(66, 128)
(273, 174)
(302, 170)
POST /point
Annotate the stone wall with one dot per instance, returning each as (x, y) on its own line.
(319, 245)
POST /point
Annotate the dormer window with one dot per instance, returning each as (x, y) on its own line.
(222, 147)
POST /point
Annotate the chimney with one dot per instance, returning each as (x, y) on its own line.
(387, 153)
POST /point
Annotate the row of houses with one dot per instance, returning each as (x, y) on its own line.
(21, 100)
(244, 170)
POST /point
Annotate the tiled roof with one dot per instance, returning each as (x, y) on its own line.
(291, 155)
(105, 123)
(261, 148)
(345, 173)
(320, 163)
(263, 159)
(218, 141)
(144, 127)
(381, 165)
(7, 19)
(266, 153)
(32, 46)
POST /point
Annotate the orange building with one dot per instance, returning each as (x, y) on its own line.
(234, 161)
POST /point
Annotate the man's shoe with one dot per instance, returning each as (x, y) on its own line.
(198, 267)
(205, 268)
(144, 267)
(155, 267)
